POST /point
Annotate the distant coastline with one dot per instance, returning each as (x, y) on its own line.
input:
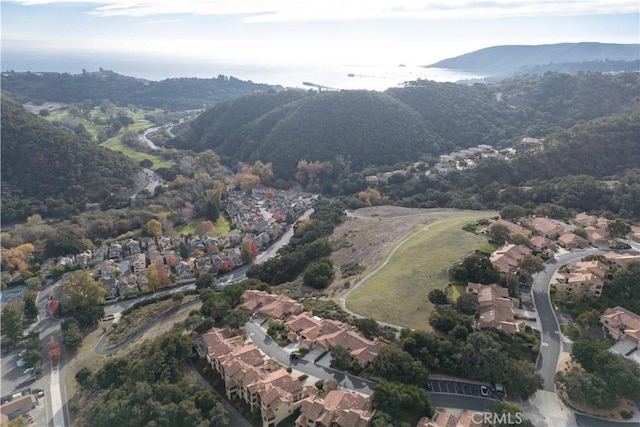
(370, 77)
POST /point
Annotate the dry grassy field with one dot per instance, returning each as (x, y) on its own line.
(428, 241)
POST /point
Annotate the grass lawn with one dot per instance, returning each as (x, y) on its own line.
(397, 294)
(117, 145)
(488, 248)
(221, 227)
(456, 291)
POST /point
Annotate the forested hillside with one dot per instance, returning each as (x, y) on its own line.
(52, 172)
(405, 124)
(169, 94)
(502, 60)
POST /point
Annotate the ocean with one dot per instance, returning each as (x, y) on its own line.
(335, 76)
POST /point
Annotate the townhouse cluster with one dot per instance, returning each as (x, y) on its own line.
(310, 331)
(496, 308)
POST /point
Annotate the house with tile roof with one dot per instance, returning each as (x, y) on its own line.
(621, 259)
(337, 408)
(597, 236)
(250, 375)
(443, 418)
(621, 323)
(311, 331)
(586, 278)
(495, 307)
(270, 305)
(514, 228)
(506, 257)
(546, 228)
(570, 240)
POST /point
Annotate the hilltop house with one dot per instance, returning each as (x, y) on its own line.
(269, 305)
(585, 278)
(570, 240)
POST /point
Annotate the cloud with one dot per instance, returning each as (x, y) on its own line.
(336, 10)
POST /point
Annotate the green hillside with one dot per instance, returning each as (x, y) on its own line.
(424, 118)
(169, 94)
(53, 172)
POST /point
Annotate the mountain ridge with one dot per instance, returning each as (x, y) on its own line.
(509, 59)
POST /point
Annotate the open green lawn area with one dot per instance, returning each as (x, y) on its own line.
(117, 145)
(397, 294)
(221, 227)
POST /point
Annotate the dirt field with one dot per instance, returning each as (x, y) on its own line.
(368, 236)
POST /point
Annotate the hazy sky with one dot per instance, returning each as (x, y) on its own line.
(299, 31)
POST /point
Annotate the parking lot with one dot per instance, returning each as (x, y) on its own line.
(464, 388)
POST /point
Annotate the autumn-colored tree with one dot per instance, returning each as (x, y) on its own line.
(213, 249)
(227, 266)
(204, 228)
(18, 258)
(83, 290)
(263, 171)
(370, 196)
(249, 252)
(158, 276)
(246, 181)
(269, 194)
(312, 173)
(153, 228)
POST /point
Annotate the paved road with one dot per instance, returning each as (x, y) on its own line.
(551, 334)
(167, 314)
(273, 350)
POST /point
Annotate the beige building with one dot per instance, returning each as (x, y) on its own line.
(337, 408)
(506, 258)
(495, 307)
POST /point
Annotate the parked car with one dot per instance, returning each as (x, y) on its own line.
(38, 392)
(484, 391)
(22, 352)
(27, 371)
(21, 363)
(294, 356)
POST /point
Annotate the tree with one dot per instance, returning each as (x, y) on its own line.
(531, 264)
(397, 365)
(396, 398)
(30, 308)
(237, 318)
(88, 315)
(341, 358)
(512, 212)
(84, 377)
(498, 232)
(204, 280)
(319, 274)
(368, 327)
(12, 323)
(18, 258)
(467, 303)
(248, 252)
(618, 228)
(438, 297)
(83, 290)
(72, 337)
(153, 228)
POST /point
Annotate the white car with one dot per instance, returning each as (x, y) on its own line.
(22, 352)
(484, 391)
(21, 363)
(27, 371)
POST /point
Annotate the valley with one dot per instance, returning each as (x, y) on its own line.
(422, 247)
